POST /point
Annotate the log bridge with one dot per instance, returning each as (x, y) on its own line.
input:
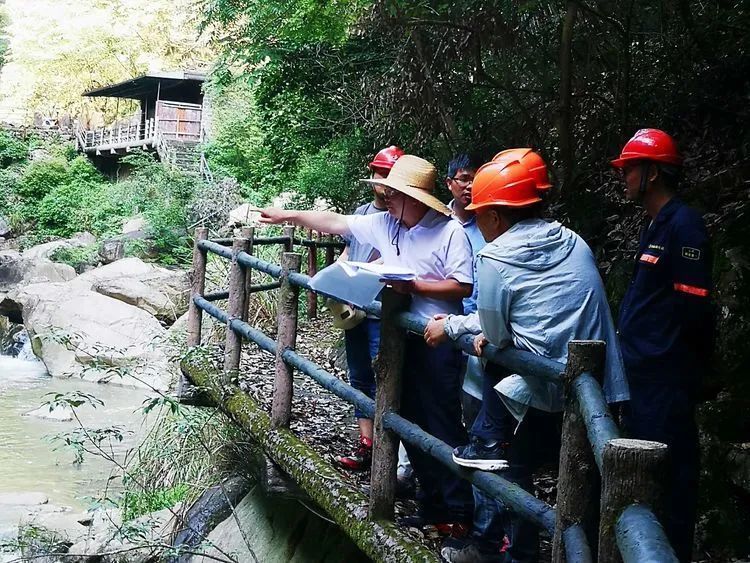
(610, 489)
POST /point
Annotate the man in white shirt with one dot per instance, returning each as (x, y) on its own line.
(417, 233)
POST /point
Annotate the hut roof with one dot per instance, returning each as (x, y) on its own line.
(148, 84)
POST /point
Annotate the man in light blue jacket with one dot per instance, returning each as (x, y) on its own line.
(538, 290)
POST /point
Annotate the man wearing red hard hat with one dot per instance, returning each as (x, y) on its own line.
(362, 340)
(666, 321)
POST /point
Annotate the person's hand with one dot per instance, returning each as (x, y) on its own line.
(273, 215)
(479, 343)
(406, 287)
(434, 332)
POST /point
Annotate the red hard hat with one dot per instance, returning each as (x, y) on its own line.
(509, 184)
(531, 160)
(386, 158)
(649, 144)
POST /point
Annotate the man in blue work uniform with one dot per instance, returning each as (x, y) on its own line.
(665, 322)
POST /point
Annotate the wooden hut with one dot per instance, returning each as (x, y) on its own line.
(170, 120)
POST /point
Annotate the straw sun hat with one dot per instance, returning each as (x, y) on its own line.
(415, 177)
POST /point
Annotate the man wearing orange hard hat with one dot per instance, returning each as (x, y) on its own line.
(666, 321)
(539, 288)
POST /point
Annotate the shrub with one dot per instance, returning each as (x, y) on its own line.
(11, 150)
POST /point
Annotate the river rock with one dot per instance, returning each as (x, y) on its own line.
(60, 413)
(135, 224)
(46, 249)
(245, 214)
(23, 499)
(111, 250)
(17, 269)
(78, 332)
(105, 542)
(5, 230)
(161, 292)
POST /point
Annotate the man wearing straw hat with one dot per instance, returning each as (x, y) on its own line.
(417, 233)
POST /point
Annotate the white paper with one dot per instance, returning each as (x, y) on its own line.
(348, 283)
(385, 271)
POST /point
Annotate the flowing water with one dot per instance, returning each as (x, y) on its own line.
(28, 458)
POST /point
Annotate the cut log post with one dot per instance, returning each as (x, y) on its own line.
(286, 336)
(388, 368)
(235, 309)
(578, 478)
(632, 472)
(249, 234)
(330, 252)
(195, 315)
(187, 393)
(312, 269)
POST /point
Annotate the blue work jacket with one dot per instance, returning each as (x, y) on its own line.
(666, 323)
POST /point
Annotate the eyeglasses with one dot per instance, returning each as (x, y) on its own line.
(390, 192)
(464, 180)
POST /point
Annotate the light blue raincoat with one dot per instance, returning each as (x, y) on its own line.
(538, 290)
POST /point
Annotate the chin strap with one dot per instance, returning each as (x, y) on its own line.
(645, 165)
(394, 240)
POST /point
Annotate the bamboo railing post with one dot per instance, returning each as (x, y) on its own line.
(578, 476)
(286, 335)
(249, 234)
(330, 252)
(312, 269)
(235, 308)
(632, 472)
(185, 391)
(388, 367)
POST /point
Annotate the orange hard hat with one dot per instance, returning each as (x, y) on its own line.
(531, 160)
(386, 158)
(508, 184)
(649, 144)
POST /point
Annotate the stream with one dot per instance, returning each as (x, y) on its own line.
(31, 462)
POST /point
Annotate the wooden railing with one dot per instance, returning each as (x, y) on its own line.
(121, 136)
(609, 489)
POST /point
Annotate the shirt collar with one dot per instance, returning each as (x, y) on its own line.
(668, 210)
(466, 224)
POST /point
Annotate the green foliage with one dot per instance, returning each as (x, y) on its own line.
(77, 256)
(11, 149)
(42, 177)
(135, 504)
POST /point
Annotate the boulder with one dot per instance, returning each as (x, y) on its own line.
(18, 269)
(159, 291)
(111, 250)
(135, 224)
(61, 413)
(78, 332)
(46, 249)
(245, 214)
(5, 230)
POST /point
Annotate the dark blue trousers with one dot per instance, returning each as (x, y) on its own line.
(664, 412)
(536, 442)
(431, 398)
(362, 343)
(494, 421)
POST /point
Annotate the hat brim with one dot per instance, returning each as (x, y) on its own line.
(419, 194)
(523, 203)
